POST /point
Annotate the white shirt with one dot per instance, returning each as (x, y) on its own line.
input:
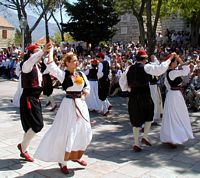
(156, 70)
(28, 65)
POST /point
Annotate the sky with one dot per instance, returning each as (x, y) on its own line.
(58, 16)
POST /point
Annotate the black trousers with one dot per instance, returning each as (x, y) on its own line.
(31, 111)
(103, 88)
(140, 107)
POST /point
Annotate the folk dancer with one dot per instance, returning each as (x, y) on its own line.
(140, 106)
(176, 126)
(47, 86)
(16, 99)
(103, 83)
(155, 93)
(71, 132)
(93, 102)
(30, 106)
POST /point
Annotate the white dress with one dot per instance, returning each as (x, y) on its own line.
(176, 126)
(93, 101)
(16, 98)
(70, 133)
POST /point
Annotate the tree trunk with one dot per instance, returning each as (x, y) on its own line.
(62, 34)
(27, 37)
(150, 34)
(195, 25)
(141, 29)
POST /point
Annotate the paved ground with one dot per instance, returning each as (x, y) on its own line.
(108, 156)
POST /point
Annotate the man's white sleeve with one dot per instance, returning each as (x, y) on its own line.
(28, 65)
(123, 81)
(157, 70)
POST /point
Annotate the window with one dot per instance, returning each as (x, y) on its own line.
(4, 34)
(123, 30)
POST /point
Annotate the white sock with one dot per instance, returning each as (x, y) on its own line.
(147, 126)
(27, 139)
(136, 135)
(50, 98)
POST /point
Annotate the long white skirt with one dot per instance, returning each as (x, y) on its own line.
(93, 101)
(176, 127)
(69, 135)
(157, 100)
(16, 98)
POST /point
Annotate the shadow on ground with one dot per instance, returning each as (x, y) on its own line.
(112, 140)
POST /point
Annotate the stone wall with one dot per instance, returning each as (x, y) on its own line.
(128, 29)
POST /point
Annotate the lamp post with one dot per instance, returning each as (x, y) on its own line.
(23, 24)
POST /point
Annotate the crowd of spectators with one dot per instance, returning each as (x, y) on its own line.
(120, 55)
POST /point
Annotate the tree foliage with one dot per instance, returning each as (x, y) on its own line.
(21, 7)
(190, 10)
(57, 38)
(18, 37)
(91, 21)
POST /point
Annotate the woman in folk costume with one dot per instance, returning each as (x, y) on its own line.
(140, 106)
(92, 100)
(30, 105)
(176, 126)
(71, 131)
(16, 98)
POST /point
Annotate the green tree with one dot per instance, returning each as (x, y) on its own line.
(57, 38)
(139, 9)
(91, 21)
(21, 7)
(136, 7)
(18, 37)
(190, 10)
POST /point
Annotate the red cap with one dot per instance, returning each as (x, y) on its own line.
(32, 47)
(100, 55)
(142, 53)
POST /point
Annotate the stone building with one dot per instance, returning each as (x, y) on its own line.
(7, 33)
(128, 29)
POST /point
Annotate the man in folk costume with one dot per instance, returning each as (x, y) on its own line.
(140, 106)
(47, 86)
(103, 83)
(30, 106)
(155, 93)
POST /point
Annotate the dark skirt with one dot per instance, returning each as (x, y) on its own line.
(47, 85)
(103, 88)
(140, 107)
(31, 112)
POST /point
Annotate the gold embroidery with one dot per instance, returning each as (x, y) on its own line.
(73, 155)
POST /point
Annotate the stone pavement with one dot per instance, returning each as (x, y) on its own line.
(109, 154)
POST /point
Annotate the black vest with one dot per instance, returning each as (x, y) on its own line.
(92, 74)
(30, 80)
(106, 69)
(174, 83)
(137, 77)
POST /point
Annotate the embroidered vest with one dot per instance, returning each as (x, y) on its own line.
(30, 80)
